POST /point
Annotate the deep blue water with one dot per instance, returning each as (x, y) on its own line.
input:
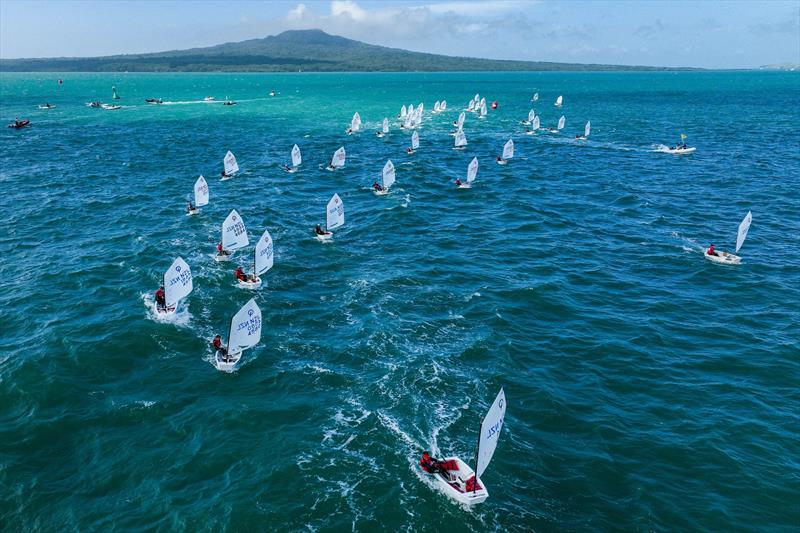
(648, 389)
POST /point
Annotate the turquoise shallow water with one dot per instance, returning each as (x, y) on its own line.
(648, 389)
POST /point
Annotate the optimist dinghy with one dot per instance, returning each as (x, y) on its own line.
(338, 159)
(200, 196)
(177, 286)
(586, 130)
(263, 258)
(535, 97)
(355, 124)
(234, 236)
(457, 479)
(472, 172)
(387, 178)
(230, 166)
(334, 218)
(460, 140)
(414, 143)
(297, 160)
(384, 128)
(559, 101)
(560, 127)
(245, 333)
(508, 153)
(727, 258)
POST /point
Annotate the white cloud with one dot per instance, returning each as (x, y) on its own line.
(479, 8)
(297, 13)
(348, 8)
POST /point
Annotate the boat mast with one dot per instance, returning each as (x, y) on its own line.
(477, 451)
(230, 334)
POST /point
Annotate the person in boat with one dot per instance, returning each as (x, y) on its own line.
(377, 186)
(161, 299)
(190, 208)
(319, 231)
(240, 275)
(409, 150)
(711, 251)
(458, 182)
(499, 158)
(217, 344)
(221, 250)
(287, 168)
(349, 131)
(224, 174)
(428, 463)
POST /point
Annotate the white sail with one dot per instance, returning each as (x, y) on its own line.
(420, 108)
(335, 213)
(403, 111)
(245, 328)
(337, 161)
(177, 282)
(414, 140)
(234, 234)
(508, 149)
(410, 109)
(297, 158)
(231, 166)
(461, 139)
(200, 192)
(461, 118)
(536, 123)
(559, 100)
(264, 256)
(476, 98)
(482, 102)
(471, 105)
(385, 126)
(436, 106)
(387, 176)
(443, 107)
(744, 227)
(483, 110)
(531, 115)
(561, 122)
(587, 128)
(355, 124)
(490, 433)
(535, 97)
(472, 170)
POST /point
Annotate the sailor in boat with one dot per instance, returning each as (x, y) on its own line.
(711, 251)
(224, 175)
(319, 231)
(161, 299)
(286, 167)
(458, 182)
(217, 345)
(272, 92)
(349, 131)
(377, 186)
(222, 251)
(190, 208)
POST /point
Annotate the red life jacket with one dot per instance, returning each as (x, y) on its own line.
(217, 343)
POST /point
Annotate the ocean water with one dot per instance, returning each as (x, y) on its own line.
(648, 389)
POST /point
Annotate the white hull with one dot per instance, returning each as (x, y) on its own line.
(222, 258)
(226, 364)
(291, 170)
(502, 162)
(384, 192)
(410, 152)
(454, 486)
(192, 212)
(256, 283)
(724, 258)
(465, 186)
(678, 151)
(330, 168)
(459, 147)
(531, 132)
(226, 178)
(45, 107)
(326, 237)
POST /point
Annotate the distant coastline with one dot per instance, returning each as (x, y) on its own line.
(299, 51)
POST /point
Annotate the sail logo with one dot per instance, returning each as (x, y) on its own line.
(495, 429)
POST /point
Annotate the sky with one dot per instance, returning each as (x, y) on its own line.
(712, 34)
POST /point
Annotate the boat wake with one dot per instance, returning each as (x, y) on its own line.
(181, 317)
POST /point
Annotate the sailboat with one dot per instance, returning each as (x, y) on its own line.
(529, 120)
(177, 286)
(559, 101)
(403, 112)
(586, 130)
(727, 258)
(245, 333)
(535, 97)
(457, 479)
(508, 152)
(681, 148)
(114, 95)
(355, 124)
(200, 195)
(471, 106)
(436, 106)
(384, 128)
(472, 172)
(297, 160)
(535, 123)
(231, 167)
(482, 113)
(334, 217)
(414, 143)
(460, 141)
(459, 124)
(560, 127)
(263, 258)
(234, 236)
(387, 178)
(337, 161)
(443, 107)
